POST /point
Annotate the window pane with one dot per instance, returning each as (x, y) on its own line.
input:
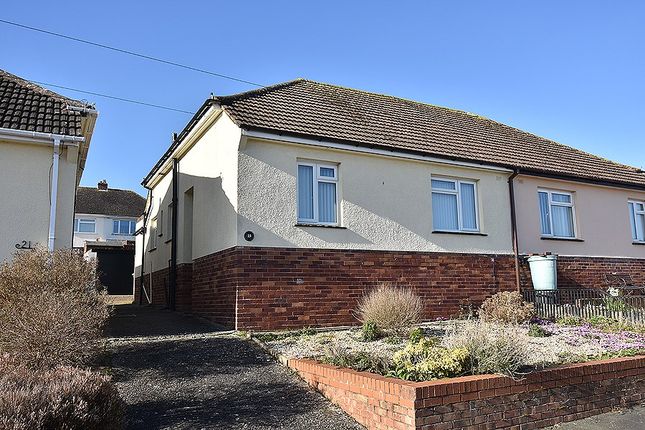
(327, 202)
(444, 211)
(468, 207)
(561, 198)
(639, 207)
(124, 227)
(305, 192)
(75, 225)
(115, 227)
(545, 223)
(562, 221)
(86, 227)
(327, 172)
(438, 184)
(640, 227)
(632, 220)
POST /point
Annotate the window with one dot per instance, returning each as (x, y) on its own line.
(317, 193)
(557, 214)
(169, 221)
(123, 227)
(82, 225)
(454, 205)
(637, 220)
(160, 224)
(153, 234)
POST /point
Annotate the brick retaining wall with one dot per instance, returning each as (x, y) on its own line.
(542, 399)
(276, 288)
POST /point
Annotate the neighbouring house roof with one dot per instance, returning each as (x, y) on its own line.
(111, 202)
(27, 106)
(307, 108)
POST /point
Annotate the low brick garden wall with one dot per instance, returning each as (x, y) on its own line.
(542, 399)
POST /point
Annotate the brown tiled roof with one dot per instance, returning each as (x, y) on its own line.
(26, 106)
(112, 202)
(308, 108)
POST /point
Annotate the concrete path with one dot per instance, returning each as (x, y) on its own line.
(628, 419)
(176, 372)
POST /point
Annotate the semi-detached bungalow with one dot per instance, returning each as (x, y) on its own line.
(279, 207)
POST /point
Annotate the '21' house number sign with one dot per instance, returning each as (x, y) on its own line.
(25, 244)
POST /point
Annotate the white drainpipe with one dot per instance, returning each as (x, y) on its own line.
(54, 195)
(36, 137)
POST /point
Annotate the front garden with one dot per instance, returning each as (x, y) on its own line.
(504, 338)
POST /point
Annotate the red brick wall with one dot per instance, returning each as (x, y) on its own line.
(215, 282)
(589, 272)
(288, 287)
(160, 280)
(275, 288)
(542, 399)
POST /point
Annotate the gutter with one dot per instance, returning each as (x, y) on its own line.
(58, 141)
(514, 236)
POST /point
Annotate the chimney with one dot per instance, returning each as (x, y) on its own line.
(103, 185)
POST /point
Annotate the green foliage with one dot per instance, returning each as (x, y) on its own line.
(570, 321)
(416, 334)
(282, 335)
(361, 361)
(425, 360)
(615, 304)
(536, 330)
(371, 332)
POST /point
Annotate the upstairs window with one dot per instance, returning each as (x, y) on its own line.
(152, 236)
(82, 225)
(637, 220)
(317, 193)
(169, 215)
(123, 227)
(454, 205)
(557, 214)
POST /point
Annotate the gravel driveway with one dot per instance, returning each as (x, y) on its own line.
(175, 372)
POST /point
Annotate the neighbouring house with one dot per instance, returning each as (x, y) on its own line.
(279, 207)
(104, 226)
(44, 141)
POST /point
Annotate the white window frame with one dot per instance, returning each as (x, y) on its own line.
(77, 225)
(316, 178)
(160, 224)
(572, 205)
(169, 215)
(153, 234)
(130, 229)
(457, 192)
(636, 213)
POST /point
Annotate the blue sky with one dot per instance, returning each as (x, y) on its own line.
(570, 71)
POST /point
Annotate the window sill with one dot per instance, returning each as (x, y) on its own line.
(300, 224)
(638, 243)
(467, 233)
(565, 239)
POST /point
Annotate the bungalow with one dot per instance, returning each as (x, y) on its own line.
(44, 141)
(278, 207)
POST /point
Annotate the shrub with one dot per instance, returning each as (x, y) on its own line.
(570, 321)
(57, 398)
(536, 330)
(416, 334)
(492, 348)
(506, 307)
(394, 310)
(425, 360)
(371, 332)
(51, 309)
(362, 361)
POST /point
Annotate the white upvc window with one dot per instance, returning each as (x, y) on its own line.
(169, 214)
(557, 214)
(637, 220)
(123, 227)
(454, 205)
(152, 237)
(160, 224)
(317, 197)
(85, 225)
